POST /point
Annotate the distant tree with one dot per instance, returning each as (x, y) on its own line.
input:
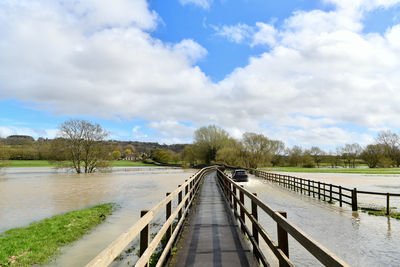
(161, 155)
(317, 154)
(372, 154)
(83, 145)
(295, 155)
(4, 155)
(188, 154)
(116, 154)
(127, 152)
(207, 141)
(390, 143)
(350, 153)
(259, 149)
(232, 154)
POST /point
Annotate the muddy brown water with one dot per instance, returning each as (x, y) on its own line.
(358, 238)
(29, 194)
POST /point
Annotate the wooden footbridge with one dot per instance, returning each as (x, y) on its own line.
(214, 222)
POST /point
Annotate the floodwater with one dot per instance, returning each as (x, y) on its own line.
(357, 238)
(363, 182)
(30, 194)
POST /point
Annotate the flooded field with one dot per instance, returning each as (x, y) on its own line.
(358, 238)
(29, 194)
(364, 182)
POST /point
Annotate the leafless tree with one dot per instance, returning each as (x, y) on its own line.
(391, 145)
(82, 141)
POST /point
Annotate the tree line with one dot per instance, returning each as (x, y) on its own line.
(213, 144)
(84, 147)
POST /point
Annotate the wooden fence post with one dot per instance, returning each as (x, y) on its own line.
(309, 188)
(354, 199)
(319, 190)
(241, 198)
(330, 193)
(168, 211)
(179, 202)
(340, 196)
(283, 242)
(387, 204)
(234, 199)
(144, 236)
(186, 192)
(254, 212)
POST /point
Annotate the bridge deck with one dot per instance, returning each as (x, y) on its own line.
(211, 237)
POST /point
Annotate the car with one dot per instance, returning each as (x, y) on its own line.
(240, 175)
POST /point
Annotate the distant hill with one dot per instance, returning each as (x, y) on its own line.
(146, 147)
(141, 147)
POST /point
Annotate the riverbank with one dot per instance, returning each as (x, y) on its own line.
(45, 163)
(334, 170)
(40, 241)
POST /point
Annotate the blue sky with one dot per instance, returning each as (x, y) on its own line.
(306, 72)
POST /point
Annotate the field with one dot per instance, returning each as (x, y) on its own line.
(39, 242)
(335, 170)
(44, 163)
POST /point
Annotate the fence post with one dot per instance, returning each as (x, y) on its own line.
(241, 198)
(354, 199)
(179, 202)
(186, 192)
(330, 193)
(168, 211)
(387, 204)
(254, 228)
(234, 199)
(340, 196)
(309, 191)
(324, 193)
(144, 236)
(313, 189)
(283, 242)
(301, 185)
(319, 190)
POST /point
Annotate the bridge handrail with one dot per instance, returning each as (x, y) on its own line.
(317, 250)
(105, 257)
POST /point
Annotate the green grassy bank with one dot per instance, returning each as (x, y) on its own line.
(39, 242)
(45, 163)
(335, 170)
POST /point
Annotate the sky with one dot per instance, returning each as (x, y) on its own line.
(306, 72)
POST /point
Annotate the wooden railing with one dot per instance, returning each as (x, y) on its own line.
(321, 190)
(184, 196)
(235, 194)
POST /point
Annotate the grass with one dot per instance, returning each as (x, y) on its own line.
(39, 242)
(45, 163)
(381, 212)
(335, 170)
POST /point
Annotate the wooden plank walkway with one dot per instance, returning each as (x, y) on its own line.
(211, 237)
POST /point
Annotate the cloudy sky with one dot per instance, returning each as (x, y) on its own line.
(306, 72)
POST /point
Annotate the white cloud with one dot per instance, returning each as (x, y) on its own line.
(201, 3)
(319, 72)
(234, 33)
(266, 34)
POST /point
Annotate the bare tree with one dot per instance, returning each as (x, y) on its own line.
(317, 154)
(391, 145)
(82, 141)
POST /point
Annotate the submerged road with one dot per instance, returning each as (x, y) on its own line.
(211, 237)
